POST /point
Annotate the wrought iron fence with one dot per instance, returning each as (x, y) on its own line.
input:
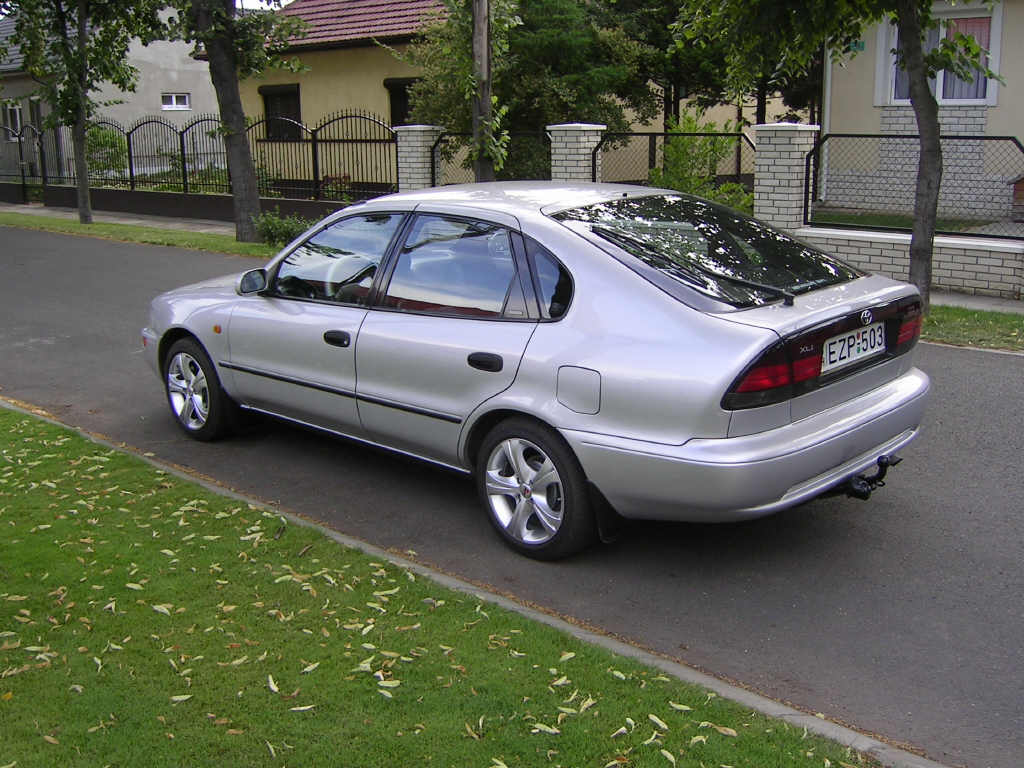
(348, 156)
(869, 181)
(637, 158)
(529, 158)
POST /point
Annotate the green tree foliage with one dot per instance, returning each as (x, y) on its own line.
(693, 164)
(677, 71)
(791, 34)
(71, 47)
(552, 62)
(237, 44)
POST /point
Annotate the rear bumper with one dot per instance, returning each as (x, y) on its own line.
(726, 479)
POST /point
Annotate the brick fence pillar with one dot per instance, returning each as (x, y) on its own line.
(779, 163)
(572, 151)
(416, 167)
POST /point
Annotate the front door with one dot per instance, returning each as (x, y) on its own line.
(292, 350)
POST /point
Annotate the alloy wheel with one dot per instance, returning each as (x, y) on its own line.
(524, 491)
(188, 391)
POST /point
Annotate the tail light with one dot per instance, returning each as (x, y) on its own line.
(794, 366)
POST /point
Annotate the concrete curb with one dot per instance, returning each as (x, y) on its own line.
(888, 755)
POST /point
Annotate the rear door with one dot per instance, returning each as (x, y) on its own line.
(447, 333)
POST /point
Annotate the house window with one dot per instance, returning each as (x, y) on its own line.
(984, 26)
(398, 96)
(175, 101)
(282, 112)
(12, 121)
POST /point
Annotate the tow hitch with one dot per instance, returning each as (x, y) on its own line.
(861, 486)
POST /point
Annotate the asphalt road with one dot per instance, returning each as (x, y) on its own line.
(903, 616)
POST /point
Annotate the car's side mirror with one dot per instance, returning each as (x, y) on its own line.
(253, 281)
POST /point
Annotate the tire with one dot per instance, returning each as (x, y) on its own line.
(534, 490)
(198, 403)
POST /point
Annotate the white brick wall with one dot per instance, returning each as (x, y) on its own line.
(415, 143)
(779, 172)
(572, 151)
(966, 264)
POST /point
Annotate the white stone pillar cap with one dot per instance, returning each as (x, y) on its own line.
(787, 127)
(577, 127)
(418, 128)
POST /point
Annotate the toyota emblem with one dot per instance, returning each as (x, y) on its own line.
(866, 317)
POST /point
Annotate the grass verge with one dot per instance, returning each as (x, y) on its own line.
(147, 621)
(134, 233)
(892, 220)
(974, 328)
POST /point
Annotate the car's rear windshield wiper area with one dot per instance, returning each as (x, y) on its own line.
(715, 250)
(697, 274)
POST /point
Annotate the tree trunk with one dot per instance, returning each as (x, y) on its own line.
(80, 127)
(483, 164)
(929, 168)
(216, 36)
(761, 110)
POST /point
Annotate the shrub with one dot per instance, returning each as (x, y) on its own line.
(275, 229)
(692, 162)
(106, 150)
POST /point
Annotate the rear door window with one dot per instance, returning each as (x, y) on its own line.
(451, 266)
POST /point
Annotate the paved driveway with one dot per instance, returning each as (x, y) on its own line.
(902, 616)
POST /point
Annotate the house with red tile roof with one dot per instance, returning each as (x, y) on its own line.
(348, 66)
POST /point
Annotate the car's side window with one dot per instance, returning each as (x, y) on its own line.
(338, 263)
(554, 285)
(453, 266)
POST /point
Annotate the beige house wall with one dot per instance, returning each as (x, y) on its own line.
(1007, 118)
(342, 78)
(859, 87)
(850, 100)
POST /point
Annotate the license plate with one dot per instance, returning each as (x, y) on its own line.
(852, 346)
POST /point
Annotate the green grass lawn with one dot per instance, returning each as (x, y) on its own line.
(134, 233)
(891, 220)
(974, 328)
(147, 621)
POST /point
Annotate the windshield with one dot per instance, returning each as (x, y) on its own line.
(710, 248)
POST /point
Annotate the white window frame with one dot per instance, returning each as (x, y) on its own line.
(13, 110)
(885, 63)
(174, 105)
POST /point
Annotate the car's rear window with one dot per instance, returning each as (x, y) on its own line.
(712, 249)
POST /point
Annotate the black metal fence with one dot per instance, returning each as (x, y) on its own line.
(348, 156)
(869, 181)
(640, 158)
(529, 158)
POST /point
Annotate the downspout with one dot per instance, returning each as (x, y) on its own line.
(826, 122)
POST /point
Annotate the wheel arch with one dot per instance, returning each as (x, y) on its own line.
(485, 422)
(169, 339)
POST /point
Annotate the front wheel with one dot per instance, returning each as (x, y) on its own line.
(194, 394)
(534, 490)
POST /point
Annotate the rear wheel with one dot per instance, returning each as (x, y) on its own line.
(199, 405)
(534, 490)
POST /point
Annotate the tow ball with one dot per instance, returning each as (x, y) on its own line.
(861, 486)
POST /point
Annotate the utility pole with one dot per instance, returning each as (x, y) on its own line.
(483, 166)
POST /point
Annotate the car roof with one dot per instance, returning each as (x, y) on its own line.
(516, 198)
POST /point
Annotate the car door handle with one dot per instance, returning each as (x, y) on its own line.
(337, 338)
(485, 361)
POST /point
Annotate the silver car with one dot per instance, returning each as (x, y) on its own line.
(587, 351)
